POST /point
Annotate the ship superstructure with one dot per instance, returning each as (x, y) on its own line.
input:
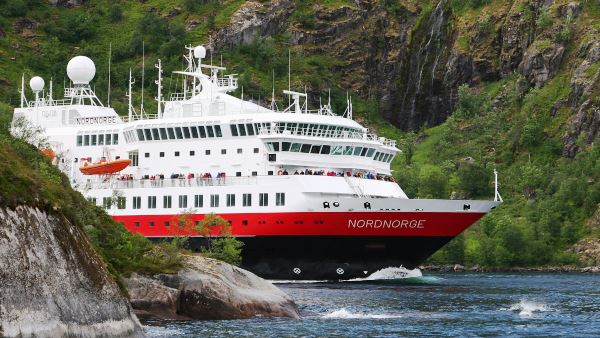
(310, 193)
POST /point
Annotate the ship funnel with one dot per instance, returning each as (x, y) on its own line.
(37, 84)
(81, 70)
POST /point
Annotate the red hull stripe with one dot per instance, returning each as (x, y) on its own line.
(317, 223)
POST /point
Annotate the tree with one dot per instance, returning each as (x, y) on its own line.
(433, 182)
(474, 179)
(224, 247)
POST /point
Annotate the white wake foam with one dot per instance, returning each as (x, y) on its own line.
(345, 314)
(390, 274)
(528, 308)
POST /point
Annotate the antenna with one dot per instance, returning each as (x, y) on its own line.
(22, 89)
(109, 57)
(50, 92)
(497, 196)
(273, 103)
(159, 87)
(130, 109)
(143, 70)
(289, 75)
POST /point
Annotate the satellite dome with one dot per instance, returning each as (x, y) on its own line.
(36, 83)
(81, 70)
(200, 52)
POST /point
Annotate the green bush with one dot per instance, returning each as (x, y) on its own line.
(470, 103)
(115, 14)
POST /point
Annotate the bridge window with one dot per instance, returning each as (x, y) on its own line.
(183, 201)
(155, 134)
(376, 158)
(178, 133)
(280, 199)
(202, 131)
(363, 152)
(101, 139)
(167, 202)
(242, 130)
(115, 139)
(357, 151)
(210, 131)
(137, 202)
(315, 149)
(163, 134)
(325, 149)
(108, 138)
(218, 131)
(247, 200)
(151, 202)
(337, 150)
(234, 131)
(194, 132)
(86, 140)
(140, 133)
(231, 200)
(295, 147)
(305, 148)
(93, 140)
(250, 129)
(171, 133)
(370, 152)
(79, 140)
(148, 134)
(285, 146)
(186, 132)
(263, 199)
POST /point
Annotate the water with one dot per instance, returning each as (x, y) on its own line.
(410, 304)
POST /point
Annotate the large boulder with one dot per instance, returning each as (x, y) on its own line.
(541, 64)
(52, 282)
(208, 289)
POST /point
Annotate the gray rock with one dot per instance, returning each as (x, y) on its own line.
(208, 289)
(53, 284)
(538, 66)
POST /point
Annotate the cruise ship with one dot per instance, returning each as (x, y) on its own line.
(309, 193)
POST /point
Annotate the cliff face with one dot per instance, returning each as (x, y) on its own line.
(52, 283)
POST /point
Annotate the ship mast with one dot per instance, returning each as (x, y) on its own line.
(159, 87)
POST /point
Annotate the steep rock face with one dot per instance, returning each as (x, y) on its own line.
(538, 66)
(208, 289)
(52, 283)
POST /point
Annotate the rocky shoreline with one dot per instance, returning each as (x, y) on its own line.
(477, 268)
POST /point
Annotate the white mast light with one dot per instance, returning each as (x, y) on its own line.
(199, 52)
(81, 70)
(37, 84)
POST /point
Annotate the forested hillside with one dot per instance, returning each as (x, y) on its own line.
(465, 86)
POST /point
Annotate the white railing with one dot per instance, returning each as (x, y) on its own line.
(335, 134)
(171, 182)
(125, 119)
(227, 82)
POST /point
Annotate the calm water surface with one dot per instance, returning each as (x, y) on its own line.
(470, 304)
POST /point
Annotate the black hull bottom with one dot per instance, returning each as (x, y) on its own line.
(331, 257)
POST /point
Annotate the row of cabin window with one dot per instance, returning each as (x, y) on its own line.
(263, 201)
(318, 130)
(328, 150)
(175, 133)
(97, 140)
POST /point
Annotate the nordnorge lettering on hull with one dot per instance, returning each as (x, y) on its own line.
(309, 192)
(389, 224)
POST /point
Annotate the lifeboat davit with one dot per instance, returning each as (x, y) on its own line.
(104, 167)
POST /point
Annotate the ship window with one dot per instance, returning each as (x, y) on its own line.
(348, 150)
(148, 134)
(376, 158)
(194, 132)
(136, 224)
(178, 133)
(146, 155)
(151, 223)
(163, 134)
(231, 200)
(79, 140)
(214, 201)
(269, 146)
(108, 138)
(186, 132)
(121, 202)
(151, 202)
(280, 199)
(391, 158)
(256, 150)
(233, 128)
(295, 147)
(86, 140)
(270, 172)
(254, 173)
(247, 200)
(192, 153)
(140, 133)
(242, 130)
(207, 152)
(167, 202)
(370, 152)
(285, 146)
(161, 154)
(337, 150)
(275, 146)
(363, 152)
(209, 131)
(101, 139)
(315, 149)
(176, 154)
(171, 132)
(239, 150)
(263, 199)
(115, 139)
(198, 201)
(106, 202)
(357, 151)
(137, 202)
(155, 134)
(183, 201)
(325, 149)
(167, 223)
(223, 151)
(202, 131)
(133, 156)
(249, 129)
(238, 173)
(305, 148)
(218, 131)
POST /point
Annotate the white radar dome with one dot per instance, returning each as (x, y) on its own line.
(36, 83)
(81, 70)
(200, 52)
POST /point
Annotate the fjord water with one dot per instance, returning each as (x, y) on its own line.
(412, 304)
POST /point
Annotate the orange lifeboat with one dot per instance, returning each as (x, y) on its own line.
(104, 167)
(48, 152)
